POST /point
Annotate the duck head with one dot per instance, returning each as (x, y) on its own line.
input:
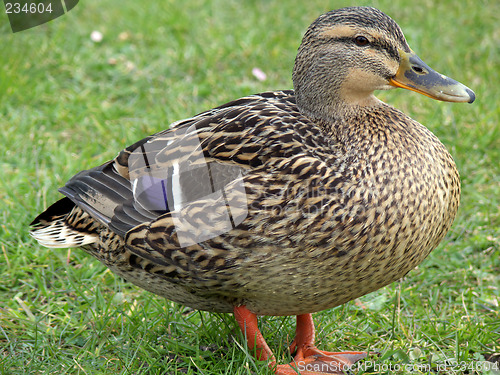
(347, 54)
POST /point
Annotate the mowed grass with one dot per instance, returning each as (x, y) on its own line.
(68, 104)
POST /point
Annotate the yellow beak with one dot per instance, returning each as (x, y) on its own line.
(413, 74)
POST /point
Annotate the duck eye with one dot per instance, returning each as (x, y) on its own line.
(361, 40)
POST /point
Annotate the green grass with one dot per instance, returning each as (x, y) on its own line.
(69, 104)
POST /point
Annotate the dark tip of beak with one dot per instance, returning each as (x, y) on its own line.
(472, 96)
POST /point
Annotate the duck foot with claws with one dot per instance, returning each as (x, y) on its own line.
(307, 356)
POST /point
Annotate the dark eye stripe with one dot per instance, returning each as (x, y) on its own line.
(378, 44)
(383, 46)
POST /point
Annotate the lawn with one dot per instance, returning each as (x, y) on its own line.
(69, 103)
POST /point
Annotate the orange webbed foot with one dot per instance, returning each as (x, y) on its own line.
(321, 362)
(308, 359)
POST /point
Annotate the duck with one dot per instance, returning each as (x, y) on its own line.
(282, 203)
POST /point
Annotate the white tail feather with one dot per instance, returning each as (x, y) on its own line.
(59, 235)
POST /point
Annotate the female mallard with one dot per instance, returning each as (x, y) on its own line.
(281, 203)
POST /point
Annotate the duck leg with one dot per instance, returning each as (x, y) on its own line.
(247, 321)
(308, 359)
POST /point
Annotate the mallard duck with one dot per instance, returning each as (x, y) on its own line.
(280, 203)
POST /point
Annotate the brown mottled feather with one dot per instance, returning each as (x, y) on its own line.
(339, 201)
(343, 214)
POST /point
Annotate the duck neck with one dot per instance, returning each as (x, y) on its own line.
(338, 115)
(329, 90)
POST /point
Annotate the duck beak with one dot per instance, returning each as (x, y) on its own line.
(413, 74)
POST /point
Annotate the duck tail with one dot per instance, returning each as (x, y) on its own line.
(64, 225)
